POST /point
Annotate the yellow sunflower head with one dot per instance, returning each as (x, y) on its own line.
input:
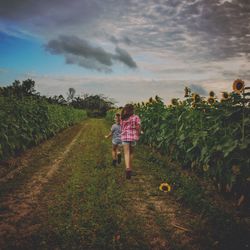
(225, 95)
(211, 94)
(211, 100)
(238, 86)
(205, 167)
(196, 97)
(165, 187)
(150, 100)
(174, 101)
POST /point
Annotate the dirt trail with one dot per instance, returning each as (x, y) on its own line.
(89, 204)
(19, 205)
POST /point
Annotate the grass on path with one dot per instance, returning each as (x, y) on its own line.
(88, 204)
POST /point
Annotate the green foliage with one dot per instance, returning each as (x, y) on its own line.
(18, 89)
(27, 121)
(110, 115)
(96, 105)
(210, 137)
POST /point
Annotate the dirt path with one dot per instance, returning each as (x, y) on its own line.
(20, 204)
(70, 197)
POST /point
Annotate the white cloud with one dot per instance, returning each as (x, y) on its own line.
(176, 43)
(122, 88)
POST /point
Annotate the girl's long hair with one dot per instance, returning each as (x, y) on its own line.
(127, 111)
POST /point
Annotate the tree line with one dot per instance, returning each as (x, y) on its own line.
(95, 105)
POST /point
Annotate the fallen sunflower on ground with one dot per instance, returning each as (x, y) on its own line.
(238, 86)
(165, 187)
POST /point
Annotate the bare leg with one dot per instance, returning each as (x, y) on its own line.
(119, 155)
(131, 155)
(126, 148)
(118, 150)
(114, 151)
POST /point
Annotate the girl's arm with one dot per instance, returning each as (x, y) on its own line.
(107, 136)
(111, 132)
(138, 125)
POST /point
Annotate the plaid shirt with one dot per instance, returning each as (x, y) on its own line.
(130, 128)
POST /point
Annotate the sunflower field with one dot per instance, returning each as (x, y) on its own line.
(206, 135)
(28, 121)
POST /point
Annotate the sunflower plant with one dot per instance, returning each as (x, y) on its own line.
(212, 133)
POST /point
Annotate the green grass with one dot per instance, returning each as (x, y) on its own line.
(90, 205)
(215, 228)
(87, 204)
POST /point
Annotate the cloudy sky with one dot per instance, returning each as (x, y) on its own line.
(128, 50)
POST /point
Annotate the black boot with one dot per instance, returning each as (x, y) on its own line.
(119, 158)
(128, 173)
(114, 163)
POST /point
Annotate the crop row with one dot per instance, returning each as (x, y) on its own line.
(28, 121)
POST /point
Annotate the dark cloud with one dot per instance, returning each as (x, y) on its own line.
(56, 10)
(15, 9)
(220, 29)
(198, 89)
(79, 47)
(87, 63)
(196, 30)
(127, 41)
(124, 40)
(81, 52)
(123, 56)
(114, 40)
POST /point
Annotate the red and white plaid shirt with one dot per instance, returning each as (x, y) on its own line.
(130, 128)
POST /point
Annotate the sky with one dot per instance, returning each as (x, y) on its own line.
(128, 50)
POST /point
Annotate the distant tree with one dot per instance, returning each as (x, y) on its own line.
(28, 87)
(17, 88)
(16, 84)
(57, 100)
(71, 94)
(96, 105)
